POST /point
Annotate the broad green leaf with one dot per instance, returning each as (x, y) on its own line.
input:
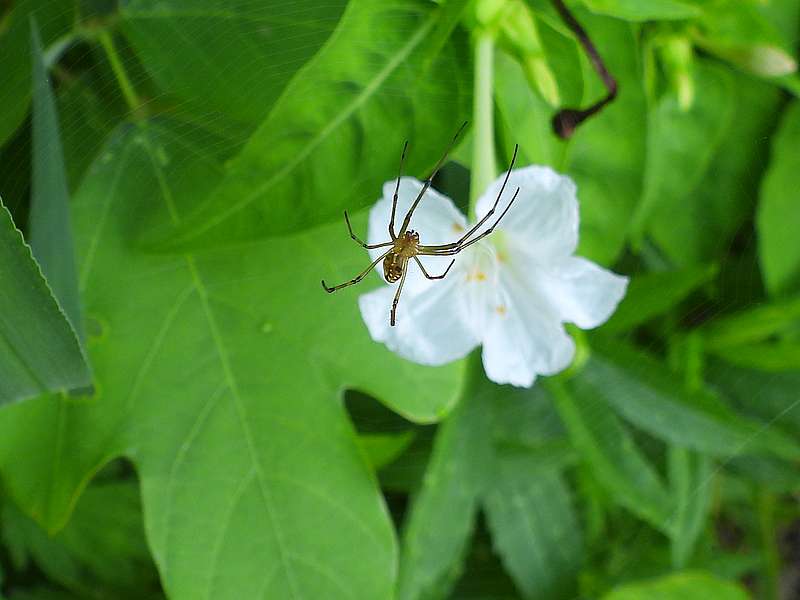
(690, 482)
(335, 135)
(54, 17)
(698, 228)
(229, 59)
(687, 585)
(643, 390)
(441, 518)
(39, 350)
(652, 294)
(607, 448)
(49, 223)
(636, 10)
(779, 209)
(219, 375)
(533, 525)
(101, 551)
(680, 145)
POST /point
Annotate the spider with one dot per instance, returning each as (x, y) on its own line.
(405, 245)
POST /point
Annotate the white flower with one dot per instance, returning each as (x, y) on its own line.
(511, 292)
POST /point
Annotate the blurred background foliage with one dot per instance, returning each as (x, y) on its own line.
(184, 413)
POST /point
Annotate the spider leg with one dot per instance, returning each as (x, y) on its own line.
(428, 275)
(396, 191)
(358, 277)
(428, 181)
(355, 237)
(445, 251)
(393, 318)
(483, 220)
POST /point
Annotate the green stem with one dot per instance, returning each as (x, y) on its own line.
(484, 162)
(128, 91)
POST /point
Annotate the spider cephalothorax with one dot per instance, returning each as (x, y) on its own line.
(405, 245)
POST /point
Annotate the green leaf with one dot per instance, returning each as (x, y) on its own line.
(220, 376)
(15, 76)
(771, 397)
(606, 447)
(690, 480)
(635, 10)
(697, 228)
(680, 144)
(441, 519)
(687, 585)
(102, 549)
(232, 59)
(39, 350)
(752, 325)
(49, 222)
(382, 449)
(778, 216)
(739, 33)
(335, 135)
(644, 391)
(611, 142)
(770, 356)
(534, 527)
(652, 294)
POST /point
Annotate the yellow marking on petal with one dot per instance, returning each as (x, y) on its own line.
(476, 275)
(501, 310)
(457, 228)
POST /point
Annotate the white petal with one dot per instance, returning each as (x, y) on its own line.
(436, 219)
(580, 291)
(524, 338)
(431, 326)
(543, 222)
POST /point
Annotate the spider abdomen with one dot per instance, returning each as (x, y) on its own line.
(393, 266)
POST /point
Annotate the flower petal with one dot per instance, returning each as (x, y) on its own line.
(524, 337)
(431, 326)
(436, 218)
(543, 222)
(580, 291)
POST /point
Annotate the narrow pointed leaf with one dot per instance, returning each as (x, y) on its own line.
(778, 217)
(691, 482)
(534, 527)
(643, 391)
(39, 350)
(49, 220)
(606, 447)
(440, 521)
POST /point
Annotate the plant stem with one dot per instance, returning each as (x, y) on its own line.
(128, 91)
(484, 162)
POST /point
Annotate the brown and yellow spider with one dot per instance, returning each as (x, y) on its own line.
(406, 244)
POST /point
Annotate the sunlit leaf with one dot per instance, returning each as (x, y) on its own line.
(221, 384)
(779, 209)
(689, 585)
